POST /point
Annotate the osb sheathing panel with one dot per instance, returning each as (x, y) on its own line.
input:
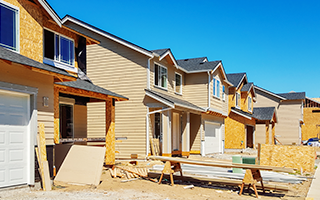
(235, 131)
(311, 120)
(110, 135)
(288, 156)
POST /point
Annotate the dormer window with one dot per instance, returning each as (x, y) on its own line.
(160, 76)
(58, 50)
(178, 85)
(216, 87)
(9, 30)
(249, 104)
(223, 93)
(238, 100)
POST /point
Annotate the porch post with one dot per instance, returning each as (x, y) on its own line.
(186, 135)
(56, 126)
(273, 132)
(267, 133)
(110, 134)
(166, 128)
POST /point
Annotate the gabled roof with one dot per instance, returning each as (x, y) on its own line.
(293, 95)
(188, 64)
(264, 113)
(15, 57)
(202, 66)
(103, 33)
(172, 101)
(85, 85)
(236, 78)
(247, 88)
(50, 11)
(241, 112)
(268, 92)
(164, 53)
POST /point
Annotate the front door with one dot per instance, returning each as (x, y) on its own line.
(176, 132)
(249, 137)
(213, 142)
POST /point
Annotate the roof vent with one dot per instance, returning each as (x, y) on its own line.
(186, 59)
(201, 63)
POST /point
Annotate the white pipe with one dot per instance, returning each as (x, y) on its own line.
(148, 73)
(147, 125)
(209, 90)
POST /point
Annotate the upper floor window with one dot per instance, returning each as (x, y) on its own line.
(178, 86)
(238, 100)
(249, 104)
(58, 48)
(223, 93)
(9, 30)
(160, 76)
(216, 87)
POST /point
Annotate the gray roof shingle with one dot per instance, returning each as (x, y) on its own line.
(190, 62)
(242, 112)
(263, 113)
(85, 85)
(202, 66)
(160, 52)
(235, 78)
(293, 95)
(15, 57)
(246, 87)
(175, 100)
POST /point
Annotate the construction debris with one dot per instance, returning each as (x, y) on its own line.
(189, 187)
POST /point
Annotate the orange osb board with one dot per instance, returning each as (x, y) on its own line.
(288, 156)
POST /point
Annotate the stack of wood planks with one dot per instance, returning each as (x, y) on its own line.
(128, 172)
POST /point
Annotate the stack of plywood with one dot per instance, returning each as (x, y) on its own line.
(299, 157)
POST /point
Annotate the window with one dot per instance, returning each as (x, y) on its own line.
(9, 26)
(223, 93)
(249, 104)
(58, 48)
(216, 87)
(178, 86)
(238, 100)
(160, 76)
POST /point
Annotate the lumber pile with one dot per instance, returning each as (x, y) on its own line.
(128, 172)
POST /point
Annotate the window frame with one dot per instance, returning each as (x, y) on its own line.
(159, 76)
(223, 93)
(58, 63)
(238, 99)
(180, 92)
(249, 104)
(216, 87)
(17, 25)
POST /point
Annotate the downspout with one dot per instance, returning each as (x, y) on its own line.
(147, 124)
(148, 73)
(209, 88)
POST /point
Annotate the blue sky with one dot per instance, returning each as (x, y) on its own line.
(277, 43)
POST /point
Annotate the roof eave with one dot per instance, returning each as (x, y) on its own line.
(271, 93)
(50, 11)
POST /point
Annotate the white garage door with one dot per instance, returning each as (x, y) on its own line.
(212, 138)
(14, 132)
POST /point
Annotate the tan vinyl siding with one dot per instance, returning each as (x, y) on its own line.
(217, 102)
(80, 121)
(196, 89)
(124, 71)
(96, 120)
(260, 134)
(22, 76)
(195, 132)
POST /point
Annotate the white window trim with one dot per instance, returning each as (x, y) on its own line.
(214, 84)
(159, 86)
(56, 63)
(250, 103)
(70, 102)
(17, 24)
(180, 93)
(238, 100)
(223, 93)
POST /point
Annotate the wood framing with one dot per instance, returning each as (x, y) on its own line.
(110, 134)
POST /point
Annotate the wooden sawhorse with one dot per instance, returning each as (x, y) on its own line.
(251, 177)
(170, 168)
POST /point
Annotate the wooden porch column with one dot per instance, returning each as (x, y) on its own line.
(273, 132)
(186, 135)
(166, 130)
(110, 134)
(267, 133)
(56, 126)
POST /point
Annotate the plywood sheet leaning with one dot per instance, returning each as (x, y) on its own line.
(288, 156)
(82, 165)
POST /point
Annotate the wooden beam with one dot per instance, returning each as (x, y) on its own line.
(110, 134)
(273, 125)
(267, 132)
(90, 40)
(56, 115)
(69, 78)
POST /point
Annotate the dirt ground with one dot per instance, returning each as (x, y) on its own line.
(116, 188)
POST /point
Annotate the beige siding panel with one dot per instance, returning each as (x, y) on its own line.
(196, 89)
(260, 134)
(22, 76)
(80, 121)
(195, 132)
(96, 120)
(124, 71)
